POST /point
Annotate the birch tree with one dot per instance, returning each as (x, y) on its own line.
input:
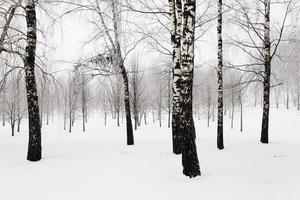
(220, 143)
(259, 48)
(34, 144)
(176, 29)
(183, 39)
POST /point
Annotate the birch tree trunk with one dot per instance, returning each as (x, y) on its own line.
(189, 151)
(241, 111)
(34, 144)
(267, 59)
(220, 143)
(120, 61)
(130, 139)
(176, 22)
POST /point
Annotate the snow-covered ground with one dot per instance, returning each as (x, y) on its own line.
(98, 165)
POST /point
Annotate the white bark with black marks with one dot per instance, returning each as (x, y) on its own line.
(267, 75)
(189, 151)
(220, 143)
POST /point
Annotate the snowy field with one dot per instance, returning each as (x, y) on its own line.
(98, 165)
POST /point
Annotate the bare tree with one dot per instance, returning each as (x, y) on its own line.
(260, 48)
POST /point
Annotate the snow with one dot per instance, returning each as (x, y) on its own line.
(98, 164)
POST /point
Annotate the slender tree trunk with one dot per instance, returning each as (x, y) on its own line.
(130, 139)
(83, 121)
(120, 61)
(12, 128)
(276, 98)
(208, 117)
(241, 113)
(298, 90)
(18, 107)
(70, 121)
(65, 113)
(189, 151)
(145, 118)
(83, 103)
(73, 119)
(140, 118)
(232, 109)
(34, 144)
(267, 58)
(298, 97)
(220, 143)
(135, 120)
(118, 118)
(159, 110)
(19, 125)
(86, 113)
(287, 98)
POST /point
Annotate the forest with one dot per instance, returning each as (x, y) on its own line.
(151, 99)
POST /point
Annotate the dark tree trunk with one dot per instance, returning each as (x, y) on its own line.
(145, 118)
(220, 143)
(19, 125)
(241, 113)
(83, 99)
(140, 119)
(130, 139)
(120, 64)
(83, 123)
(135, 120)
(189, 154)
(287, 98)
(13, 129)
(267, 58)
(34, 144)
(118, 118)
(70, 121)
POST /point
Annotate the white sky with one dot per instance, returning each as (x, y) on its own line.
(70, 34)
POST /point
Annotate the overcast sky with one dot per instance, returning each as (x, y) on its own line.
(72, 31)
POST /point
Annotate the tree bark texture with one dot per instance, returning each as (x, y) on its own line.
(220, 142)
(267, 76)
(189, 151)
(34, 144)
